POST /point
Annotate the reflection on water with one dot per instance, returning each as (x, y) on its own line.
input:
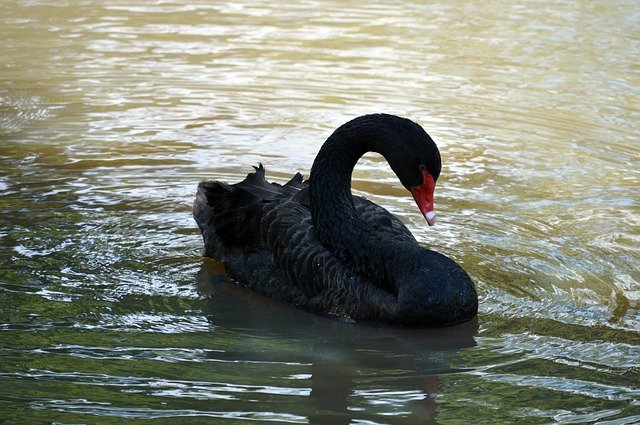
(110, 115)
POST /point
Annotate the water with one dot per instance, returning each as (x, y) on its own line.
(111, 114)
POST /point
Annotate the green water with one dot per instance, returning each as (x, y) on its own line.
(111, 112)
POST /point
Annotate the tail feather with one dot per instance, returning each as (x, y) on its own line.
(229, 214)
(256, 185)
(203, 214)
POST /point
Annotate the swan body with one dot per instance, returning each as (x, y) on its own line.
(312, 244)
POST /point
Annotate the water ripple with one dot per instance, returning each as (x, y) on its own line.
(110, 115)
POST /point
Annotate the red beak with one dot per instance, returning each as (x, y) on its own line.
(423, 196)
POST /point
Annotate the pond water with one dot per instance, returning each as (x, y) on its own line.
(111, 112)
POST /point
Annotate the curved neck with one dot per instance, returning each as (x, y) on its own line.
(335, 222)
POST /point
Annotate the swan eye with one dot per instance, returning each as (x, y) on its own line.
(423, 167)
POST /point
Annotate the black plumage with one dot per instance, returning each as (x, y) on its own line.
(314, 245)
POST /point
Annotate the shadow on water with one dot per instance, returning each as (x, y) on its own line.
(343, 356)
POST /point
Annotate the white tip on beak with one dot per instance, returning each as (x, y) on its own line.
(430, 216)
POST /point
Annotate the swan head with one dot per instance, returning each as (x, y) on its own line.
(415, 158)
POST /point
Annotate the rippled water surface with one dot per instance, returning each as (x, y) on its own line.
(111, 112)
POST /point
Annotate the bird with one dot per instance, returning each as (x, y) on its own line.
(312, 244)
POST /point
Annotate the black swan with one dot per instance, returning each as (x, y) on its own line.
(312, 244)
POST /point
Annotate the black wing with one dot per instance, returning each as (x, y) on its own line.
(263, 235)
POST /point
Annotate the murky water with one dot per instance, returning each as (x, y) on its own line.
(110, 115)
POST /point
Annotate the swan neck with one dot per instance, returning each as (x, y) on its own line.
(333, 213)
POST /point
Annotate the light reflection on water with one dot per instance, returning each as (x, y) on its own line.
(110, 115)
